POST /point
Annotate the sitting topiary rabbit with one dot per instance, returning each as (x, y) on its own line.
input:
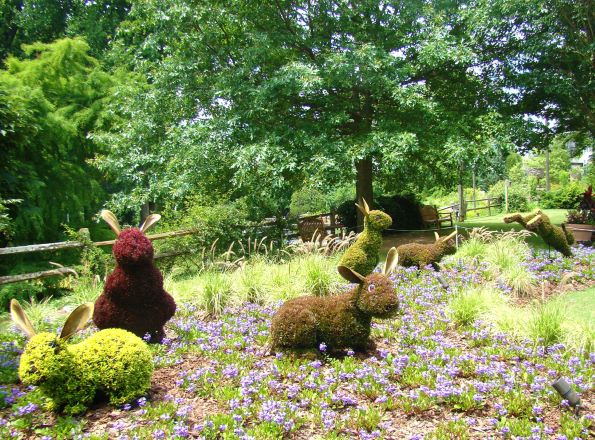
(111, 362)
(422, 254)
(362, 256)
(339, 321)
(133, 297)
(555, 236)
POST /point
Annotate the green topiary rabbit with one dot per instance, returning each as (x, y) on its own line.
(112, 362)
(362, 256)
(340, 321)
(555, 236)
(422, 254)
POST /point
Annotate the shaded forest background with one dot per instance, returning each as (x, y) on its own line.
(226, 109)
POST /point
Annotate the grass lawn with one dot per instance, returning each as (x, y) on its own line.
(580, 305)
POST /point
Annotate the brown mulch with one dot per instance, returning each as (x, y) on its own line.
(549, 290)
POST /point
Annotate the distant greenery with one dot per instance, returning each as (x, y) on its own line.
(50, 99)
(132, 103)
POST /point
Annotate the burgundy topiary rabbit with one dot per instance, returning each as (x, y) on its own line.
(133, 297)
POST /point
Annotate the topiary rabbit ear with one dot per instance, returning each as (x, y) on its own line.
(350, 275)
(111, 220)
(19, 317)
(453, 234)
(392, 259)
(149, 221)
(76, 320)
(364, 208)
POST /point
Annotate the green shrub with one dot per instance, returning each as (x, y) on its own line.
(25, 291)
(403, 209)
(517, 196)
(566, 197)
(348, 213)
(20, 291)
(222, 223)
(308, 200)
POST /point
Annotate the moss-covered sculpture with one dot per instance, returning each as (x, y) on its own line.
(421, 254)
(362, 256)
(113, 363)
(555, 236)
(133, 297)
(340, 321)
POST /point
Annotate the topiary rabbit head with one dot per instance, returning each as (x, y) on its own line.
(376, 294)
(448, 241)
(132, 246)
(375, 219)
(46, 357)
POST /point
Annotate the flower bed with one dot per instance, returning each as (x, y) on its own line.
(428, 379)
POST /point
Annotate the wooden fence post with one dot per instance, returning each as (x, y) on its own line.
(506, 183)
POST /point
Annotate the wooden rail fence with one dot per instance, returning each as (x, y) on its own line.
(72, 245)
(461, 215)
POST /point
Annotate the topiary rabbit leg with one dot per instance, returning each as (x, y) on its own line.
(293, 327)
(569, 236)
(535, 222)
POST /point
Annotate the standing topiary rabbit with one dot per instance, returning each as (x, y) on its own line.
(133, 297)
(362, 256)
(555, 236)
(113, 362)
(339, 321)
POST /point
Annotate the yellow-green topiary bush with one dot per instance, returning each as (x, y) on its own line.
(113, 362)
(555, 236)
(362, 256)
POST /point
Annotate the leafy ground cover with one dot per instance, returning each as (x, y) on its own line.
(434, 375)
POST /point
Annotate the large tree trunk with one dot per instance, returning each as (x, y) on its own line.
(363, 186)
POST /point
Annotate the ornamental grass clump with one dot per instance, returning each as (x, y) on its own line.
(466, 307)
(555, 236)
(362, 256)
(339, 321)
(421, 254)
(545, 325)
(133, 297)
(112, 362)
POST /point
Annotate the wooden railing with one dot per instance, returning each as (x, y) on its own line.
(455, 207)
(72, 245)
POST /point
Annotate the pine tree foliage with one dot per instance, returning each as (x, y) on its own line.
(49, 101)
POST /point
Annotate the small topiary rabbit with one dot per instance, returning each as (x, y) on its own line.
(133, 297)
(555, 236)
(339, 321)
(422, 254)
(362, 256)
(114, 363)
